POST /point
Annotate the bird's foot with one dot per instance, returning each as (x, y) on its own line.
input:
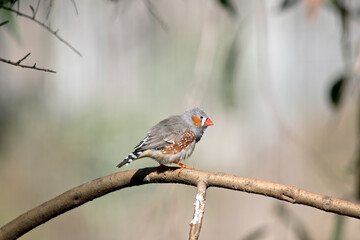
(182, 166)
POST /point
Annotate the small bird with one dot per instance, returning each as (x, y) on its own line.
(173, 139)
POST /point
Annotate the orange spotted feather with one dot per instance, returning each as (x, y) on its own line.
(177, 146)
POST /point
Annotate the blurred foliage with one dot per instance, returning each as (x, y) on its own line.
(93, 136)
(339, 227)
(337, 89)
(287, 4)
(336, 92)
(258, 233)
(229, 75)
(296, 224)
(8, 3)
(228, 5)
(5, 120)
(357, 166)
(340, 7)
(9, 22)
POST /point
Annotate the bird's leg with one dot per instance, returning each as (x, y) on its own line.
(182, 167)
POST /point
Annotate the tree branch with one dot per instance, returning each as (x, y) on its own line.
(18, 64)
(32, 18)
(195, 224)
(104, 185)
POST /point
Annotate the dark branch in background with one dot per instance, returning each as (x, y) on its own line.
(55, 33)
(76, 9)
(34, 11)
(153, 13)
(18, 64)
(104, 185)
(49, 8)
(3, 23)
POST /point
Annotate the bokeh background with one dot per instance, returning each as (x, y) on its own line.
(278, 78)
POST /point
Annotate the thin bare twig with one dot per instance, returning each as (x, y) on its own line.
(152, 11)
(18, 64)
(200, 200)
(49, 8)
(34, 11)
(3, 23)
(55, 33)
(76, 9)
(113, 182)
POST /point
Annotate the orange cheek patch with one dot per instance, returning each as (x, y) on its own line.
(197, 121)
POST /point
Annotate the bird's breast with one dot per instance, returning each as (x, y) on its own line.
(176, 151)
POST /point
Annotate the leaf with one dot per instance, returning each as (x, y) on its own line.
(340, 7)
(337, 89)
(287, 4)
(228, 6)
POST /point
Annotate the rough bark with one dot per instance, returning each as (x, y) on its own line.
(104, 185)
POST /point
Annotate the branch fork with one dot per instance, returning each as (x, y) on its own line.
(18, 64)
(201, 179)
(200, 200)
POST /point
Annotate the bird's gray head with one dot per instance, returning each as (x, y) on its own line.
(197, 120)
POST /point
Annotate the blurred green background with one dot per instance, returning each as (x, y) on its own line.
(278, 78)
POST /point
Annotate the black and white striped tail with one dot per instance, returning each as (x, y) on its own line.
(132, 156)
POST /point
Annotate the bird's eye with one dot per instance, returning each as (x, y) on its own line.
(201, 117)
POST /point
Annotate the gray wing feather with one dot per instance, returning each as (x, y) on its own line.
(165, 132)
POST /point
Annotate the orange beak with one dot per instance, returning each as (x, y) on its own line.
(208, 122)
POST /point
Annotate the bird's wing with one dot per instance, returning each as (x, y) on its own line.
(165, 132)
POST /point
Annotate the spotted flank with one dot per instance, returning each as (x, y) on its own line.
(177, 146)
